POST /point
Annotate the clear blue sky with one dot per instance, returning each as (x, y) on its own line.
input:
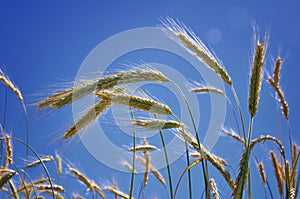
(45, 43)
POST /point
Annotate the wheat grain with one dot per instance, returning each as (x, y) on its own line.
(87, 118)
(214, 188)
(256, 78)
(66, 97)
(262, 173)
(136, 102)
(277, 173)
(39, 161)
(7, 82)
(117, 192)
(157, 124)
(195, 46)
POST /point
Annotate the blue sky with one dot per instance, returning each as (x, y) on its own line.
(44, 44)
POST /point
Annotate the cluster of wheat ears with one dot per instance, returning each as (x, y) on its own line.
(112, 89)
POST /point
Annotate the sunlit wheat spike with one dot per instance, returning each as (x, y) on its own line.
(256, 78)
(147, 165)
(9, 154)
(288, 172)
(37, 162)
(42, 180)
(129, 167)
(191, 140)
(56, 195)
(57, 188)
(66, 97)
(276, 76)
(263, 138)
(196, 155)
(157, 124)
(262, 173)
(59, 164)
(235, 136)
(82, 178)
(116, 187)
(5, 177)
(294, 154)
(136, 102)
(76, 196)
(195, 46)
(277, 172)
(13, 189)
(144, 148)
(97, 189)
(292, 194)
(207, 90)
(214, 188)
(7, 82)
(117, 192)
(87, 118)
(153, 170)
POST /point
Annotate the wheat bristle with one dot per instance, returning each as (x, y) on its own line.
(39, 161)
(9, 154)
(256, 78)
(117, 192)
(262, 173)
(207, 90)
(64, 98)
(214, 188)
(157, 124)
(277, 172)
(8, 83)
(87, 118)
(136, 102)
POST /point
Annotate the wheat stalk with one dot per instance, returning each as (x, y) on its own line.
(136, 102)
(66, 97)
(86, 119)
(7, 82)
(13, 189)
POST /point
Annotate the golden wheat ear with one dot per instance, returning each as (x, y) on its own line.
(7, 82)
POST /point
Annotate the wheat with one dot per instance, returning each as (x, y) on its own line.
(235, 136)
(263, 138)
(144, 148)
(195, 46)
(97, 189)
(157, 124)
(117, 192)
(276, 76)
(116, 187)
(7, 82)
(56, 195)
(13, 189)
(129, 167)
(66, 97)
(86, 119)
(59, 164)
(136, 102)
(277, 173)
(153, 170)
(39, 161)
(292, 194)
(214, 188)
(262, 173)
(8, 155)
(49, 188)
(207, 90)
(82, 178)
(76, 196)
(256, 78)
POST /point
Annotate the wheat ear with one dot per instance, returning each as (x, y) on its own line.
(66, 97)
(59, 164)
(86, 119)
(195, 46)
(56, 195)
(214, 188)
(157, 124)
(76, 196)
(9, 154)
(136, 102)
(256, 78)
(262, 173)
(277, 172)
(36, 162)
(117, 192)
(7, 82)
(207, 90)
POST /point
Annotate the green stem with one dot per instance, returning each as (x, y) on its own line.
(133, 156)
(189, 171)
